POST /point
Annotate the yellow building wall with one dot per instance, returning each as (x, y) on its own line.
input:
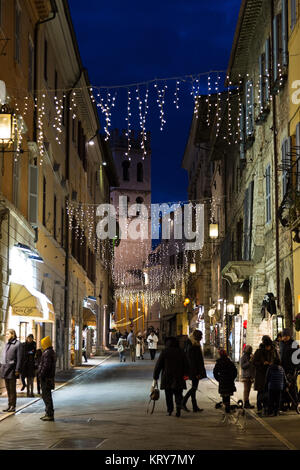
(294, 119)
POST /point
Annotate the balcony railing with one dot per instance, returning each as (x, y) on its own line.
(230, 251)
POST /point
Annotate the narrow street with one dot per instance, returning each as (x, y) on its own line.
(105, 409)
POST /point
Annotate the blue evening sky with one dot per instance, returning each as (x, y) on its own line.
(133, 41)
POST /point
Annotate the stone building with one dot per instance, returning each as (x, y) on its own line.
(251, 277)
(51, 276)
(259, 62)
(134, 174)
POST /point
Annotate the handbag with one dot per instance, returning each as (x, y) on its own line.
(154, 396)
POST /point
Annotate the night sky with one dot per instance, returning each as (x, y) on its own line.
(128, 42)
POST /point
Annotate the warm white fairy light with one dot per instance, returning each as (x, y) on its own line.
(161, 101)
(142, 118)
(73, 105)
(218, 106)
(196, 95)
(128, 119)
(40, 128)
(208, 101)
(106, 107)
(176, 95)
(57, 125)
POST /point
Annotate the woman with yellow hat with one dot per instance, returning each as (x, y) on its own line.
(46, 372)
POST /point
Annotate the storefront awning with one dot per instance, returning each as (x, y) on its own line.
(89, 318)
(29, 302)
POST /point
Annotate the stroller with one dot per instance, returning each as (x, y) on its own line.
(290, 399)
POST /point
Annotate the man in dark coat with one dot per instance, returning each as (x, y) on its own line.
(225, 373)
(263, 357)
(289, 367)
(47, 373)
(28, 366)
(173, 364)
(196, 368)
(11, 367)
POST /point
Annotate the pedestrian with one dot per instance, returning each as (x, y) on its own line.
(38, 358)
(152, 341)
(28, 366)
(46, 372)
(84, 333)
(279, 344)
(263, 357)
(121, 345)
(289, 367)
(225, 373)
(248, 374)
(11, 368)
(173, 365)
(276, 382)
(140, 346)
(131, 340)
(196, 368)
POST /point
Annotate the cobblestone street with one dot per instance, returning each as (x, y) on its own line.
(105, 408)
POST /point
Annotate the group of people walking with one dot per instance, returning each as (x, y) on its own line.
(176, 366)
(25, 361)
(137, 344)
(271, 368)
(273, 372)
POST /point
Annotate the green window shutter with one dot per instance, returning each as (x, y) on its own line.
(267, 69)
(284, 19)
(275, 49)
(33, 195)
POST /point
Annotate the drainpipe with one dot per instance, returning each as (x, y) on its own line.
(275, 170)
(36, 41)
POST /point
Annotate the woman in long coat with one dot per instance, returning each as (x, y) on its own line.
(225, 373)
(263, 357)
(173, 366)
(140, 346)
(28, 368)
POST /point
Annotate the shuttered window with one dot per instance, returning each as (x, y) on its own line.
(268, 194)
(30, 65)
(284, 32)
(33, 195)
(17, 33)
(249, 99)
(242, 133)
(275, 48)
(248, 218)
(267, 69)
(293, 13)
(286, 163)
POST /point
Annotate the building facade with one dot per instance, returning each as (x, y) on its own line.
(54, 276)
(134, 174)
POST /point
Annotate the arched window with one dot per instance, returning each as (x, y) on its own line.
(140, 172)
(126, 166)
(139, 200)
